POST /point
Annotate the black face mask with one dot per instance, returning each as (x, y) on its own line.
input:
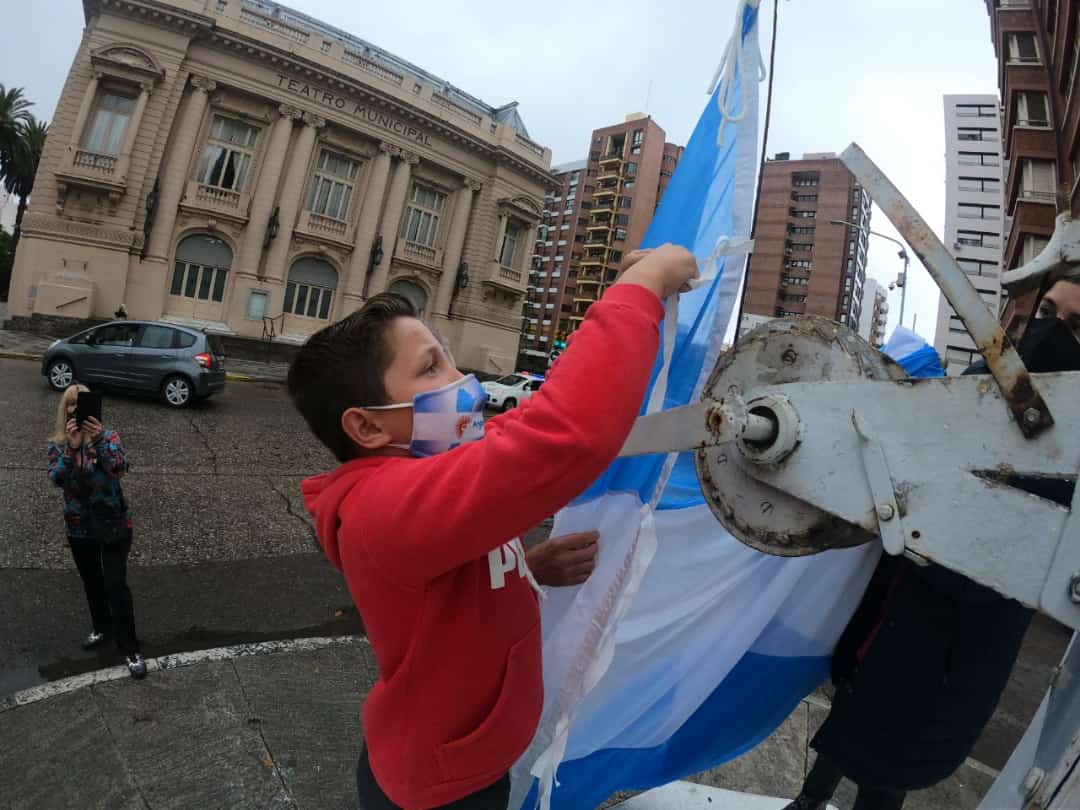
(1049, 345)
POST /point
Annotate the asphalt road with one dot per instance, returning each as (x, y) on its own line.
(224, 551)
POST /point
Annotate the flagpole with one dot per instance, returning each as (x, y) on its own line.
(761, 164)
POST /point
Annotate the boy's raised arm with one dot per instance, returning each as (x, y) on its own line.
(458, 506)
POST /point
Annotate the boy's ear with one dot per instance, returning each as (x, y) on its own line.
(364, 428)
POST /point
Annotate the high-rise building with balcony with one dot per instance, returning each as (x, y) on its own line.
(599, 213)
(1037, 43)
(973, 215)
(554, 259)
(875, 313)
(802, 263)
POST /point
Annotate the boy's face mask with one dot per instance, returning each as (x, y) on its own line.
(444, 417)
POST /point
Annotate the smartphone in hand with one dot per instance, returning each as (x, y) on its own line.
(87, 406)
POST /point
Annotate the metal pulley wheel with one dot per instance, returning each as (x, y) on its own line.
(786, 350)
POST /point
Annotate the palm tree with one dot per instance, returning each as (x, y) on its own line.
(14, 112)
(22, 167)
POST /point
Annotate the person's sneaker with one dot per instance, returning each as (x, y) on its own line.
(93, 640)
(804, 802)
(136, 666)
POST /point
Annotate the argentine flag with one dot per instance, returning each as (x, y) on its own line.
(685, 648)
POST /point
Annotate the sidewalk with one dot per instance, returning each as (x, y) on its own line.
(27, 346)
(277, 725)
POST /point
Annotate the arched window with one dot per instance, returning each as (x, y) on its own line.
(310, 291)
(202, 268)
(414, 292)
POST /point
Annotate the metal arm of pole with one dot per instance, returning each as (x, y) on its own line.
(1028, 407)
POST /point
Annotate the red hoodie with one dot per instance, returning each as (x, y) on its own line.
(430, 551)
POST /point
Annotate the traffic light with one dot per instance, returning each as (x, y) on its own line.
(560, 341)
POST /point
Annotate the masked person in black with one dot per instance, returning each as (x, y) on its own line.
(922, 663)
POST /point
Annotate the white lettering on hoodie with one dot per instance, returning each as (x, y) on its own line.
(503, 560)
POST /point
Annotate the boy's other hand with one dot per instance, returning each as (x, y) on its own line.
(566, 560)
(665, 270)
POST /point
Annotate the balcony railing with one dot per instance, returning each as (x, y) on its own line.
(277, 26)
(218, 197)
(611, 157)
(94, 163)
(1034, 195)
(374, 68)
(509, 274)
(317, 223)
(456, 109)
(426, 254)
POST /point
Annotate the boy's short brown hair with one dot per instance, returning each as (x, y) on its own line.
(343, 366)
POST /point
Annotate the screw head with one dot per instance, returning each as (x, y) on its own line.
(885, 511)
(1032, 416)
(1074, 587)
(789, 356)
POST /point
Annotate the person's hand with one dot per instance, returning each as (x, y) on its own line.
(93, 429)
(566, 560)
(74, 435)
(665, 270)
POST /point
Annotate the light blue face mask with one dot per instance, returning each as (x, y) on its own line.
(444, 417)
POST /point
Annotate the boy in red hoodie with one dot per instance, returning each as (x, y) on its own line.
(424, 522)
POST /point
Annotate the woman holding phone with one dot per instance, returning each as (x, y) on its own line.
(87, 462)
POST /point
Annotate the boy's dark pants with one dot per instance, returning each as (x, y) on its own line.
(373, 798)
(103, 568)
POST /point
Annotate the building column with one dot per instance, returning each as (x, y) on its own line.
(455, 245)
(262, 201)
(84, 110)
(132, 131)
(291, 193)
(395, 205)
(368, 224)
(174, 176)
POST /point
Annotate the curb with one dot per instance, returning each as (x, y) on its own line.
(165, 663)
(7, 354)
(12, 355)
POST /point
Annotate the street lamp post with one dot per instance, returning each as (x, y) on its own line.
(901, 282)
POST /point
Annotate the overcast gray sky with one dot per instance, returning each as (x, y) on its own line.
(870, 71)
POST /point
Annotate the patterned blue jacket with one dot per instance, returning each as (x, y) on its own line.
(90, 479)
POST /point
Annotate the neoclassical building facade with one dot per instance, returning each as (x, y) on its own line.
(239, 166)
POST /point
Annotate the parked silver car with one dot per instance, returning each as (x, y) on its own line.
(179, 363)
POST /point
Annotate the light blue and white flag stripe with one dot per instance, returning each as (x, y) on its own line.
(685, 648)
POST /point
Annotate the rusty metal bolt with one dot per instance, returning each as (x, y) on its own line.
(789, 356)
(1032, 416)
(1074, 587)
(885, 511)
(714, 421)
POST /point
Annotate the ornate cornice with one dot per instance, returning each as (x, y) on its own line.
(83, 231)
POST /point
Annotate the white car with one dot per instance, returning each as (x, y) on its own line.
(510, 391)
